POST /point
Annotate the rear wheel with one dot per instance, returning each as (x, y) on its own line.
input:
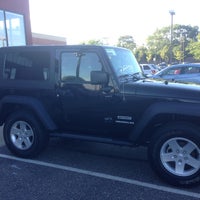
(174, 153)
(23, 135)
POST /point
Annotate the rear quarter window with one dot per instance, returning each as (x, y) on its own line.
(26, 65)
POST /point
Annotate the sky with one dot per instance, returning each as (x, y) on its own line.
(107, 20)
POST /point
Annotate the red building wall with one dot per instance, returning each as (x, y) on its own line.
(19, 7)
(42, 39)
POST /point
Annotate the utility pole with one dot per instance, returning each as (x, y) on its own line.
(172, 13)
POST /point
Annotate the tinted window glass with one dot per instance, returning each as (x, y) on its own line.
(174, 70)
(192, 70)
(27, 65)
(69, 63)
(146, 67)
(89, 62)
(77, 67)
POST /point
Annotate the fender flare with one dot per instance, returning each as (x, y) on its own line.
(181, 108)
(34, 104)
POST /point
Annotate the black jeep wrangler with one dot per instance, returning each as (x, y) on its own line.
(98, 93)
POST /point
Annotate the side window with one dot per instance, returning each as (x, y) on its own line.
(146, 67)
(76, 67)
(69, 63)
(173, 71)
(192, 70)
(89, 62)
(27, 65)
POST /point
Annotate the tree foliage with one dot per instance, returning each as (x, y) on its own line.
(194, 48)
(126, 41)
(185, 45)
(159, 44)
(141, 54)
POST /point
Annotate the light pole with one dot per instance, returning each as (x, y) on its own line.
(172, 13)
(183, 36)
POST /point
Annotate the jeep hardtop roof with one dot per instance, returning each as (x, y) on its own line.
(57, 47)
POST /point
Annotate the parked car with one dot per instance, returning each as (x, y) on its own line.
(98, 94)
(162, 65)
(189, 73)
(149, 69)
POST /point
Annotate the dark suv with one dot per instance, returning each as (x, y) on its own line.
(98, 93)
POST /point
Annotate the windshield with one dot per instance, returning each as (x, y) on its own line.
(123, 61)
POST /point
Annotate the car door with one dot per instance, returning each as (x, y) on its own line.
(87, 108)
(172, 73)
(191, 74)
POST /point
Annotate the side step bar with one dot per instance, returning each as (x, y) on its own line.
(90, 138)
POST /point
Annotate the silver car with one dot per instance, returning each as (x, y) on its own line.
(188, 73)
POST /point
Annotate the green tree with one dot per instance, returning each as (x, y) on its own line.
(194, 48)
(178, 53)
(183, 36)
(164, 53)
(149, 56)
(158, 44)
(140, 54)
(126, 41)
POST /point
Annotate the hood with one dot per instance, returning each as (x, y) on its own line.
(163, 89)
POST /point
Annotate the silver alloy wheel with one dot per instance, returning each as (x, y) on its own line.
(180, 156)
(22, 135)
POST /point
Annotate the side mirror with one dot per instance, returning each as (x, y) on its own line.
(99, 77)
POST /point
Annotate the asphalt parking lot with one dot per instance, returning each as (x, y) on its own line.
(77, 170)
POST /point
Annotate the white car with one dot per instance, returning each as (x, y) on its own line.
(149, 69)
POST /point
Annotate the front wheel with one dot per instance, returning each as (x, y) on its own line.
(174, 153)
(23, 135)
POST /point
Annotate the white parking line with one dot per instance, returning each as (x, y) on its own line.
(105, 176)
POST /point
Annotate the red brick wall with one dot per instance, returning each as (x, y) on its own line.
(42, 39)
(19, 7)
(39, 41)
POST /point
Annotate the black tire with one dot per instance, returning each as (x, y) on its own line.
(23, 135)
(174, 154)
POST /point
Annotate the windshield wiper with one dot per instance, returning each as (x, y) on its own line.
(138, 76)
(130, 77)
